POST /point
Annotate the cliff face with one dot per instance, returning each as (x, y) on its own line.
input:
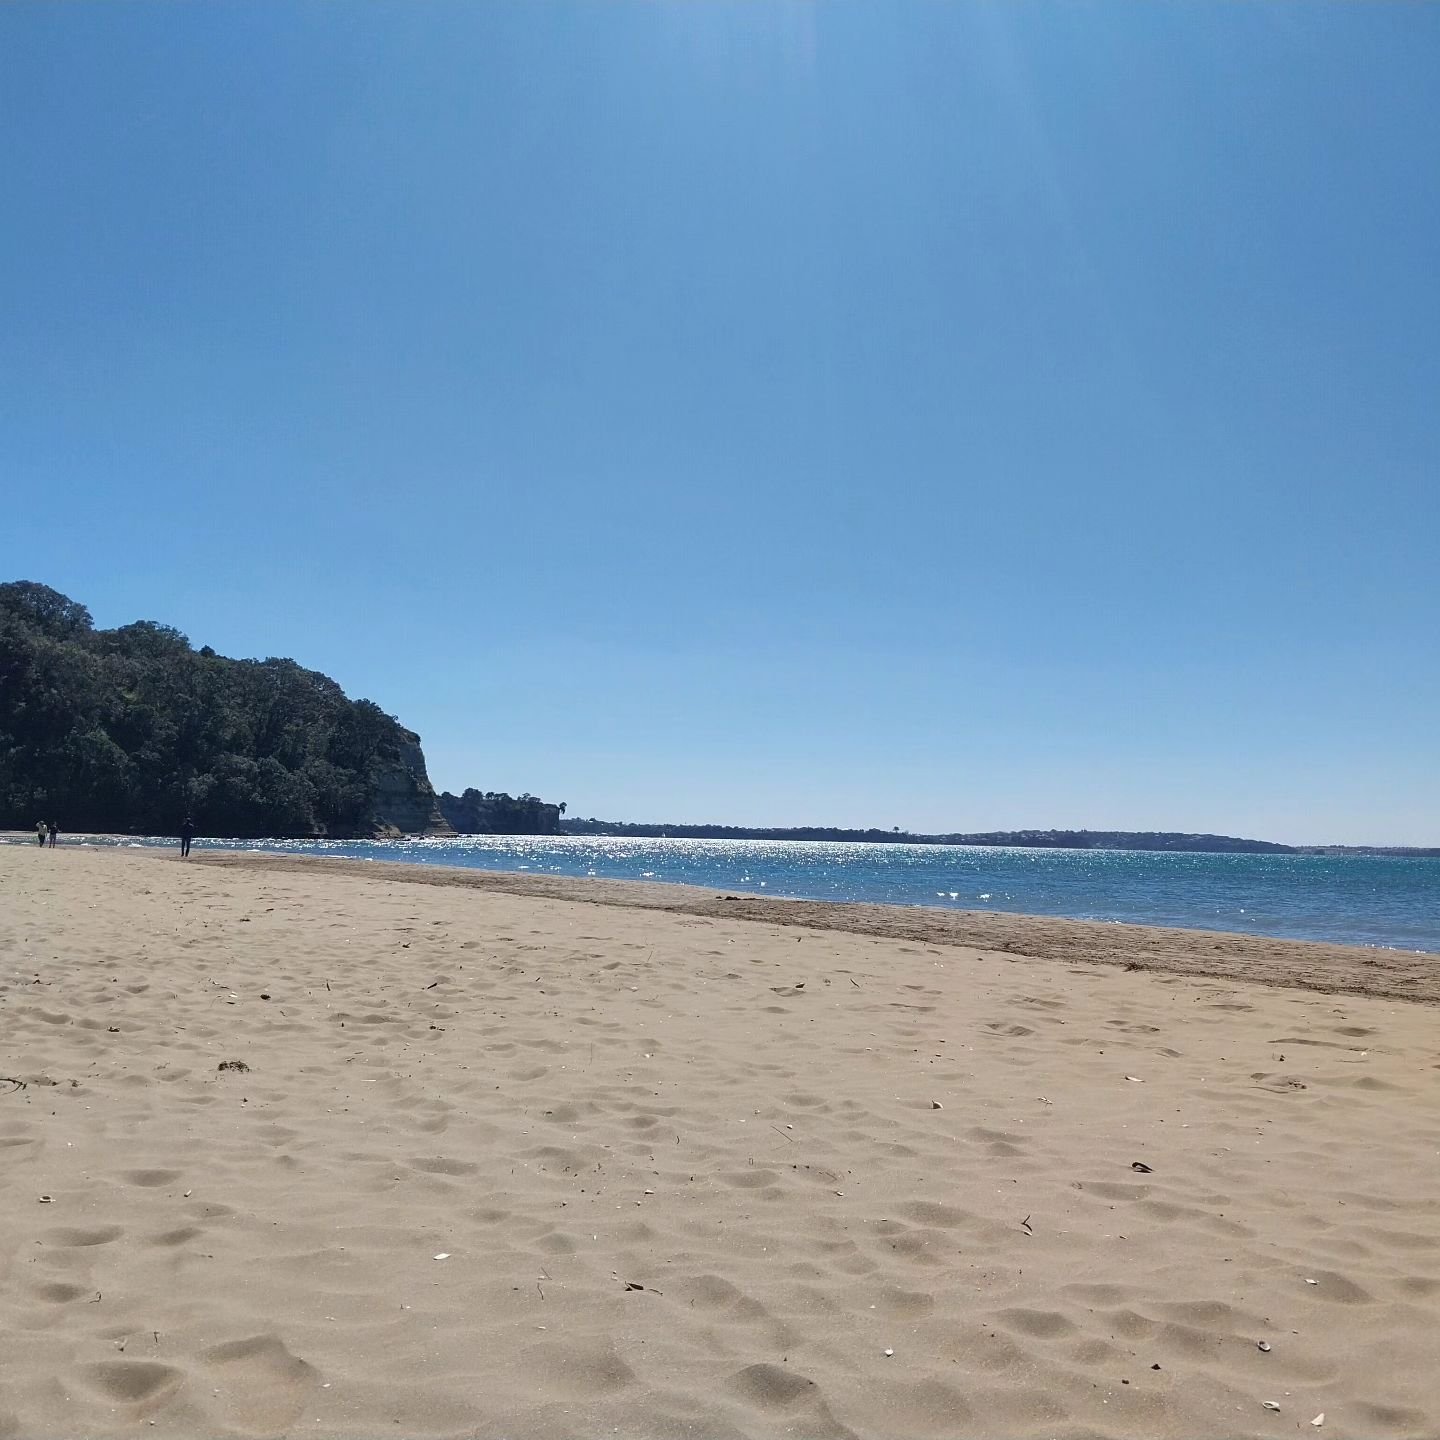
(405, 801)
(491, 813)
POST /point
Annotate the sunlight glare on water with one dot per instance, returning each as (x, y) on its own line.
(1351, 899)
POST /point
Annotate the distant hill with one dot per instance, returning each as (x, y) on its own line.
(130, 729)
(1039, 839)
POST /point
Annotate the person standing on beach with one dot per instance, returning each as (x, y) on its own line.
(54, 834)
(187, 833)
(40, 832)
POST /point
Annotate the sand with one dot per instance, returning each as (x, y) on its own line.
(560, 1164)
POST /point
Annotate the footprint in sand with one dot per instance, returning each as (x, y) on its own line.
(77, 1237)
(772, 1387)
(150, 1179)
(263, 1386)
(140, 1384)
(60, 1293)
(1038, 1324)
(932, 1212)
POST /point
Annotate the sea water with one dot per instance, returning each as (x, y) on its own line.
(1391, 901)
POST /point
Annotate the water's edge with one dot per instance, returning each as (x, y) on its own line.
(1378, 902)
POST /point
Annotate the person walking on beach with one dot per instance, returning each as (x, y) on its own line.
(187, 834)
(54, 834)
(41, 833)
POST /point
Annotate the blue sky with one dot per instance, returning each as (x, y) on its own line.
(944, 415)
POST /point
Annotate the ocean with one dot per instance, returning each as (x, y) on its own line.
(1389, 901)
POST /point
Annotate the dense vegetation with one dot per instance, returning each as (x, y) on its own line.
(492, 812)
(130, 729)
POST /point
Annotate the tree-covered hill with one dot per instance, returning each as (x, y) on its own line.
(133, 728)
(492, 813)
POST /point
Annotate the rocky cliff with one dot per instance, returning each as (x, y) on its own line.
(405, 802)
(492, 813)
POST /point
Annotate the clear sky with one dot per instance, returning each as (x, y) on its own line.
(946, 415)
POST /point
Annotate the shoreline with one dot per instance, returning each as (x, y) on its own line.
(1214, 954)
(976, 930)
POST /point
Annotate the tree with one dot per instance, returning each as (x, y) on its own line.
(45, 609)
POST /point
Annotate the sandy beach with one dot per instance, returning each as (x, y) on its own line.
(331, 1149)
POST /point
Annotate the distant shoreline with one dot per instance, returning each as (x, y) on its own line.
(1145, 841)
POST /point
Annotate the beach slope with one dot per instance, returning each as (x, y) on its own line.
(292, 1149)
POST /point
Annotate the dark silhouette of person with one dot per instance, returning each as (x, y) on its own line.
(187, 834)
(54, 834)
